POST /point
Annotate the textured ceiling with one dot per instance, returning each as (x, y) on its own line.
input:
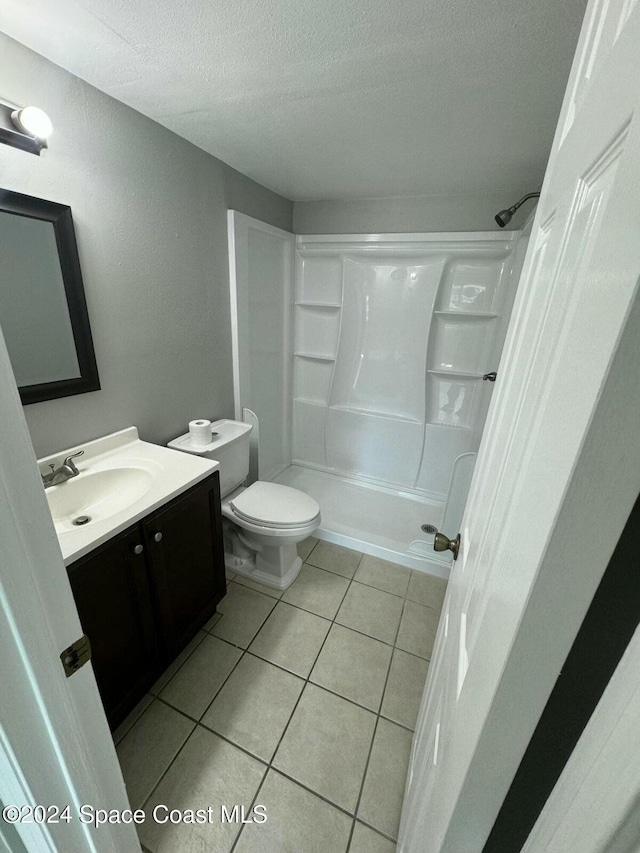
(321, 99)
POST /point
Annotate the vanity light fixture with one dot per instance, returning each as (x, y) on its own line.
(33, 121)
(26, 128)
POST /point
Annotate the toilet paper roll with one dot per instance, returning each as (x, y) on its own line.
(200, 431)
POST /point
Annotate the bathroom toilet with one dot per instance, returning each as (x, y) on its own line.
(262, 522)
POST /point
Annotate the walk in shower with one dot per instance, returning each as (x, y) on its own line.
(368, 361)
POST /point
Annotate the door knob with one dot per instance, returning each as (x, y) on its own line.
(157, 537)
(138, 549)
(442, 543)
(491, 377)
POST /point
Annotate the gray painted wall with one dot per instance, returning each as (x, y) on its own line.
(402, 214)
(150, 216)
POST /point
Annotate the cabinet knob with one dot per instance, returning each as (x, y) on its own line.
(138, 549)
(157, 537)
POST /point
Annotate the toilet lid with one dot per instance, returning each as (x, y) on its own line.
(271, 505)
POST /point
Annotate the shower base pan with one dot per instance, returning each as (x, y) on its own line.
(374, 519)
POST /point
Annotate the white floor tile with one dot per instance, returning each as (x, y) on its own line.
(254, 706)
(427, 590)
(371, 612)
(298, 822)
(383, 575)
(418, 628)
(207, 772)
(404, 689)
(306, 547)
(326, 746)
(131, 718)
(243, 612)
(383, 790)
(365, 840)
(353, 665)
(258, 587)
(318, 591)
(291, 638)
(196, 683)
(149, 747)
(335, 558)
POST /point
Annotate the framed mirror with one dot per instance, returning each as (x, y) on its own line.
(43, 311)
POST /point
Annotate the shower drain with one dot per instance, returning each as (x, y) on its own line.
(81, 519)
(431, 529)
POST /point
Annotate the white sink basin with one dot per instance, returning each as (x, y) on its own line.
(96, 496)
(121, 481)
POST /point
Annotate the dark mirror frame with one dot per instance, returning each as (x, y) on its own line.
(60, 217)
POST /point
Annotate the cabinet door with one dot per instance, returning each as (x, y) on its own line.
(184, 542)
(111, 589)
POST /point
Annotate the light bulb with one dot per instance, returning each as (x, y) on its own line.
(33, 121)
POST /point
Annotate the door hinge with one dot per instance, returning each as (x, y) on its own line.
(76, 655)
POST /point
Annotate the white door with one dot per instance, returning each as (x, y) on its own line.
(55, 745)
(559, 465)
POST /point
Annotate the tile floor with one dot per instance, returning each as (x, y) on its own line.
(302, 701)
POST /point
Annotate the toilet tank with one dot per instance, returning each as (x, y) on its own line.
(229, 446)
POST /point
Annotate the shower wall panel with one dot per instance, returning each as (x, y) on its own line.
(393, 334)
(261, 272)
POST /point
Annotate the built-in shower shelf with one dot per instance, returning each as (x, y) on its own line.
(315, 356)
(310, 401)
(387, 415)
(334, 305)
(459, 374)
(445, 425)
(468, 315)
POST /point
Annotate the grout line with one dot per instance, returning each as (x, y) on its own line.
(306, 680)
(152, 690)
(350, 839)
(168, 767)
(197, 722)
(375, 730)
(269, 764)
(244, 652)
(251, 805)
(377, 831)
(309, 790)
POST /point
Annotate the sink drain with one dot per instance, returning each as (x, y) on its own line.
(81, 519)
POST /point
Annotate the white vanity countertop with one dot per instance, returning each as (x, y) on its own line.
(122, 479)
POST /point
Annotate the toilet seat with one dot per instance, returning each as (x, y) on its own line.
(274, 506)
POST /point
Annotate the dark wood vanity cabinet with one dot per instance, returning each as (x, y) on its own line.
(184, 546)
(144, 594)
(113, 596)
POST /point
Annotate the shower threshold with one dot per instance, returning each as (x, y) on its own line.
(381, 521)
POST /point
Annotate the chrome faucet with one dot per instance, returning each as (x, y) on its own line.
(65, 472)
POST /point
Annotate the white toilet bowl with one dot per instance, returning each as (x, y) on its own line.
(263, 522)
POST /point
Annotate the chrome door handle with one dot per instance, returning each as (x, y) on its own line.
(491, 377)
(443, 543)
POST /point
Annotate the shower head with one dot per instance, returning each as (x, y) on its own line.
(504, 217)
